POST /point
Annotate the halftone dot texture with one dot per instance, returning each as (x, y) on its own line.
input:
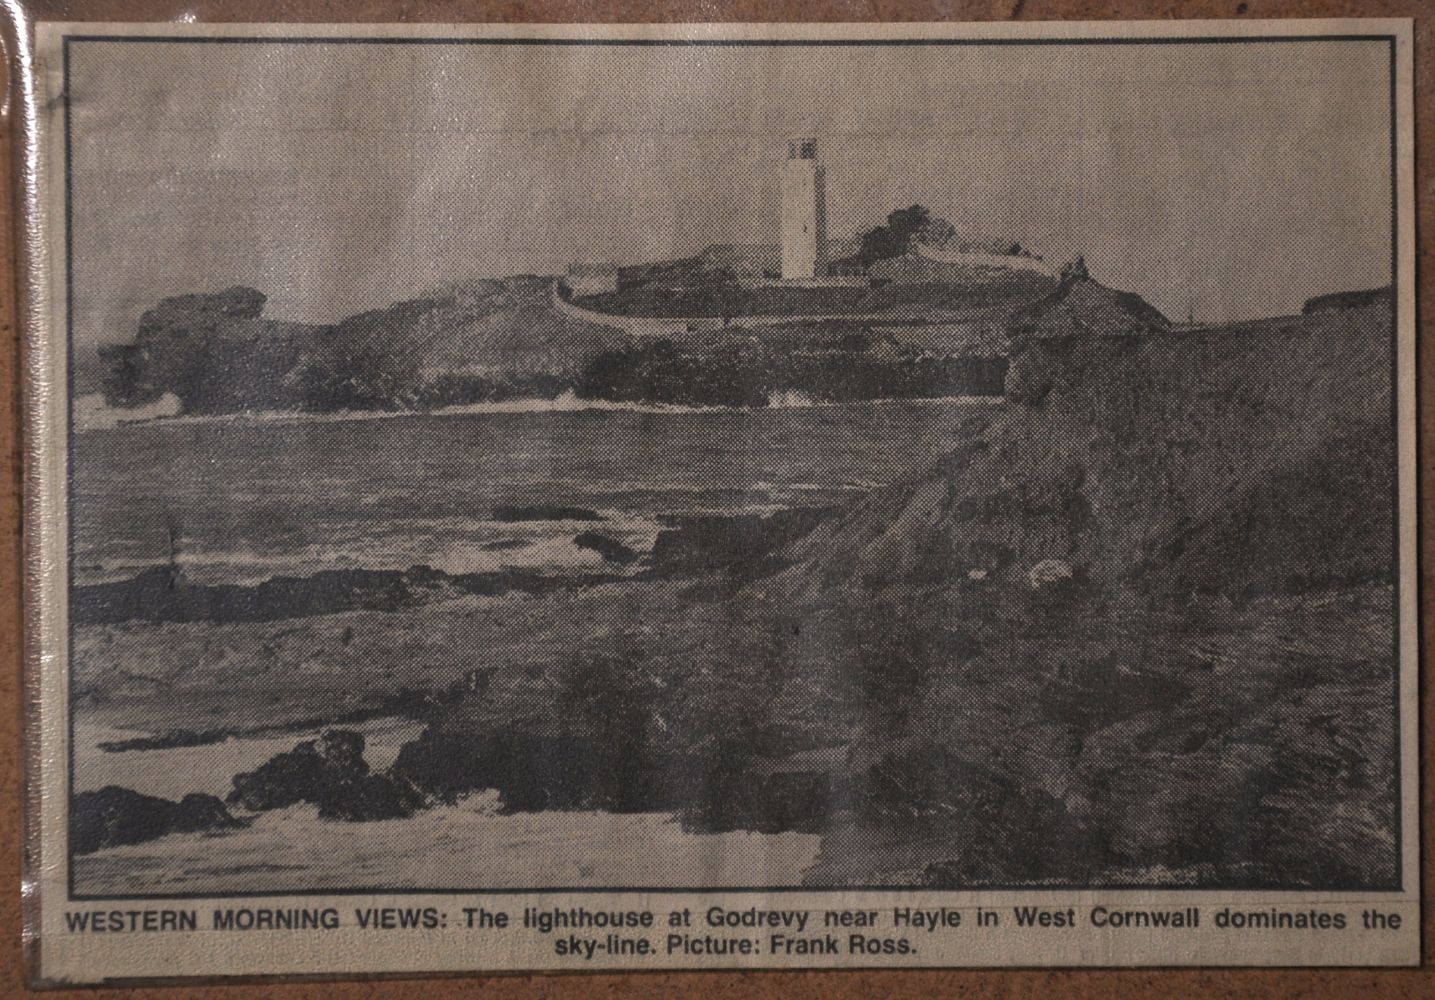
(1128, 622)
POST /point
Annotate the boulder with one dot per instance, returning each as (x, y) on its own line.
(744, 545)
(606, 546)
(371, 797)
(331, 773)
(532, 769)
(114, 816)
(305, 774)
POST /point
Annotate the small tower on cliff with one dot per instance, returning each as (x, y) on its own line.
(804, 211)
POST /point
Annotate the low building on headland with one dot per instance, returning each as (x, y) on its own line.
(591, 279)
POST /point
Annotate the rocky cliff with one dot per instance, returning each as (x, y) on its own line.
(218, 354)
(1236, 460)
(1170, 568)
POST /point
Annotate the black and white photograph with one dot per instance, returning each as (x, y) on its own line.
(730, 463)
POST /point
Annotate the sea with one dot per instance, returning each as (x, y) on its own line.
(242, 498)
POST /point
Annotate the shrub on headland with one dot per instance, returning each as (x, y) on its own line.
(904, 227)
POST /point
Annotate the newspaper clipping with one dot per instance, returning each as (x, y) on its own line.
(723, 496)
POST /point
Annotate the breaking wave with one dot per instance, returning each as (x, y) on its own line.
(472, 842)
(91, 413)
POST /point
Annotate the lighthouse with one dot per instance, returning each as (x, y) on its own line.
(804, 212)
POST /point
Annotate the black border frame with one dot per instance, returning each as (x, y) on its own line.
(1401, 805)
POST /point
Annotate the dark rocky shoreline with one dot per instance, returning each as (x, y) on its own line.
(532, 769)
(595, 765)
(162, 594)
(740, 546)
(115, 816)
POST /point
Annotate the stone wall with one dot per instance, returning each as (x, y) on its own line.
(667, 326)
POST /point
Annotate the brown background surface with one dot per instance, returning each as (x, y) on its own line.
(806, 985)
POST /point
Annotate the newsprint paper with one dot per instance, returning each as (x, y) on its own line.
(726, 496)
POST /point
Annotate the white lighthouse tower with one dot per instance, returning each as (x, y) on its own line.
(804, 211)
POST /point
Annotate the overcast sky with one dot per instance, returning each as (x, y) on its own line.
(1237, 180)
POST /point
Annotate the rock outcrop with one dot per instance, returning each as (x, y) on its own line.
(114, 816)
(1082, 306)
(212, 351)
(329, 772)
(218, 354)
(1175, 461)
(1174, 550)
(743, 545)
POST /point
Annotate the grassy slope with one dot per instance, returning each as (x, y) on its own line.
(505, 324)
